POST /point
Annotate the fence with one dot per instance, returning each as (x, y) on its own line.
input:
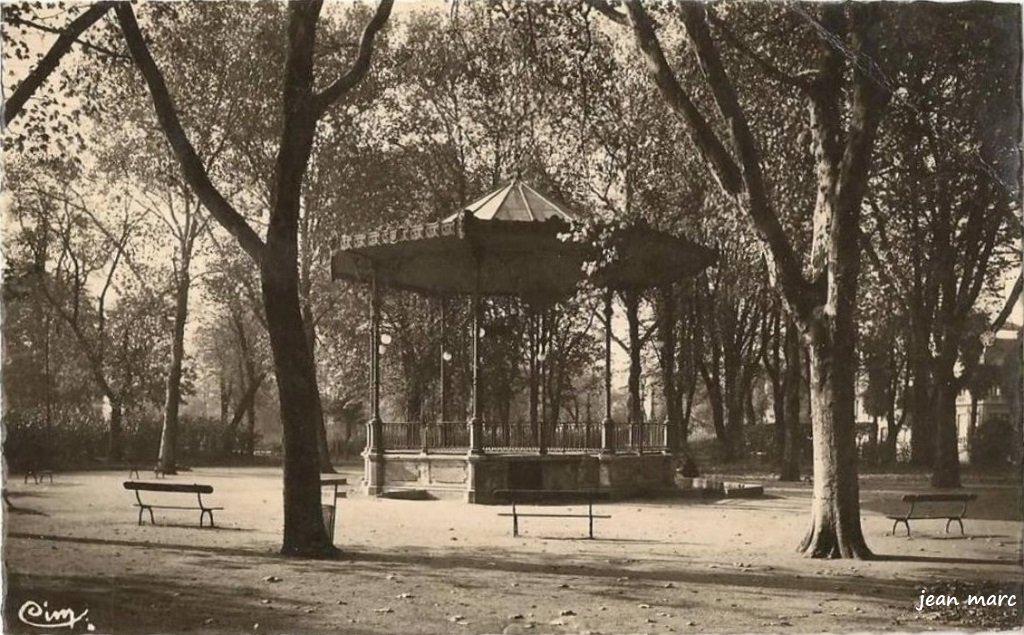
(521, 437)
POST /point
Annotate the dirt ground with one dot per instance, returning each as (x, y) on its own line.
(659, 566)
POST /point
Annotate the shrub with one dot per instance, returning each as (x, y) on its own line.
(994, 442)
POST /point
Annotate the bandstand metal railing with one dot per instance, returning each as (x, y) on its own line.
(521, 437)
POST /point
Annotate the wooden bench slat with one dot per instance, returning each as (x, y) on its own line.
(144, 486)
(938, 498)
(540, 498)
(522, 515)
(176, 506)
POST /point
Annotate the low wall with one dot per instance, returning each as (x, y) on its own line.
(474, 478)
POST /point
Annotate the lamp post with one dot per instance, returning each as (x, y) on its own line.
(445, 358)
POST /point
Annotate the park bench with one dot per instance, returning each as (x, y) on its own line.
(172, 488)
(952, 507)
(158, 471)
(39, 475)
(552, 497)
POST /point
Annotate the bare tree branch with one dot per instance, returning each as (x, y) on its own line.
(15, 20)
(68, 36)
(724, 167)
(1011, 301)
(361, 66)
(784, 264)
(192, 166)
(609, 12)
(799, 82)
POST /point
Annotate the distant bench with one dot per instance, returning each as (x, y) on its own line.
(552, 497)
(158, 472)
(933, 506)
(39, 475)
(176, 488)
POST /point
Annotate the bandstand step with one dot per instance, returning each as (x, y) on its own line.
(409, 495)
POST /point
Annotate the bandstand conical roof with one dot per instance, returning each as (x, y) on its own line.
(516, 201)
(510, 242)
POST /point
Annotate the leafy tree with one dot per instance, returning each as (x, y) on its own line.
(942, 221)
(89, 276)
(303, 105)
(822, 299)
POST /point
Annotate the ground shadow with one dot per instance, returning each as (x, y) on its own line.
(148, 544)
(26, 494)
(194, 526)
(27, 511)
(585, 539)
(440, 565)
(944, 560)
(142, 604)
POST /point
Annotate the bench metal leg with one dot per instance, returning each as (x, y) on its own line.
(590, 517)
(515, 522)
(204, 513)
(897, 522)
(959, 522)
(146, 508)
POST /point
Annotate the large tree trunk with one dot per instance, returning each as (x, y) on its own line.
(115, 443)
(250, 430)
(946, 469)
(322, 449)
(835, 517)
(734, 413)
(169, 433)
(922, 424)
(972, 423)
(299, 395)
(779, 412)
(670, 387)
(830, 328)
(714, 394)
(309, 327)
(631, 300)
(789, 460)
(534, 350)
(304, 532)
(887, 454)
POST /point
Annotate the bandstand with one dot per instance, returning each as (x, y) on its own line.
(512, 242)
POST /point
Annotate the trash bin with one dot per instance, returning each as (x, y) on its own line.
(328, 513)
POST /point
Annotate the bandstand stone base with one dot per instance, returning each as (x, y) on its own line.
(474, 478)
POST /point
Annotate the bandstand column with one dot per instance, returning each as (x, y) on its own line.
(374, 440)
(444, 378)
(374, 454)
(607, 426)
(476, 423)
(542, 425)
